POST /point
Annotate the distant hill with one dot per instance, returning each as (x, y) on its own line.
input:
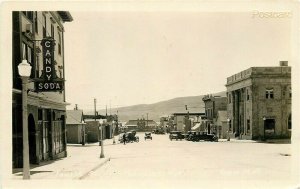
(156, 110)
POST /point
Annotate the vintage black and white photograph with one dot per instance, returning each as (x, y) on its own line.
(150, 94)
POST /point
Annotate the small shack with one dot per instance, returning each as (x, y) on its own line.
(75, 127)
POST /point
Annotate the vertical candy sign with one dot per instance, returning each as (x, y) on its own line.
(49, 81)
(48, 46)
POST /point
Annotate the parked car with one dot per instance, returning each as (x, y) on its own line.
(130, 136)
(176, 135)
(203, 136)
(190, 135)
(185, 135)
(148, 136)
(158, 131)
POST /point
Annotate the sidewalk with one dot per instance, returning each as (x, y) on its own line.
(80, 161)
(271, 141)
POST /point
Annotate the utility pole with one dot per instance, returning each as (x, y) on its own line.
(117, 126)
(106, 111)
(188, 118)
(147, 120)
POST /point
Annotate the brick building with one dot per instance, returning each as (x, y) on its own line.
(259, 103)
(46, 110)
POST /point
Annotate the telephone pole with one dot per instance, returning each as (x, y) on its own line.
(147, 120)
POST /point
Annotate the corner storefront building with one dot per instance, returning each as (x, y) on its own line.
(46, 109)
(259, 103)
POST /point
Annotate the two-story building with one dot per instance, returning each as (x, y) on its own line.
(46, 110)
(259, 102)
(213, 104)
(185, 121)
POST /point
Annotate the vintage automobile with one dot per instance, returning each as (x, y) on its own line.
(176, 135)
(148, 135)
(203, 136)
(190, 135)
(158, 131)
(130, 136)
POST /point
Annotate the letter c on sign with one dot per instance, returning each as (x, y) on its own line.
(47, 44)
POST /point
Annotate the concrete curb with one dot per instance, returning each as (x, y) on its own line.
(93, 169)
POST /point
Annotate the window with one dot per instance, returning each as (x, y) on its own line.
(36, 22)
(59, 43)
(229, 123)
(269, 93)
(45, 27)
(27, 53)
(248, 96)
(229, 98)
(248, 125)
(28, 14)
(52, 31)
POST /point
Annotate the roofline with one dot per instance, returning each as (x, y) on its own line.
(65, 16)
(202, 113)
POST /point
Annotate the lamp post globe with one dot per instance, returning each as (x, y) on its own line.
(24, 70)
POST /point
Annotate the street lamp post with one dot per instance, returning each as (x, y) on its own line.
(101, 139)
(228, 130)
(24, 70)
(188, 125)
(113, 125)
(264, 118)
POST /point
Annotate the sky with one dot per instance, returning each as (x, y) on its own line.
(124, 58)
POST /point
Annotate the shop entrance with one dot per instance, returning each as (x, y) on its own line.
(269, 128)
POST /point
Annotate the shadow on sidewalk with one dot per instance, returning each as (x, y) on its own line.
(32, 166)
(80, 145)
(33, 172)
(276, 141)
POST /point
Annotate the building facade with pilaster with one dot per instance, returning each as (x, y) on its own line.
(46, 110)
(213, 104)
(259, 103)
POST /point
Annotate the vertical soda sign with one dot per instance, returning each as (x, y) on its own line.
(48, 57)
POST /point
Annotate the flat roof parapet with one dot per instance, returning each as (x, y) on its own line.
(259, 71)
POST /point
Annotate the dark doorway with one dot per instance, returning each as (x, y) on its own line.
(32, 139)
(107, 132)
(290, 122)
(269, 128)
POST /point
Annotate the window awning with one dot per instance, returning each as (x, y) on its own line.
(196, 126)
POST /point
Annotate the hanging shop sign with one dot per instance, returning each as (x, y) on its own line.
(49, 81)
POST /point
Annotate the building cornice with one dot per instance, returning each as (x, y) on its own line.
(39, 100)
